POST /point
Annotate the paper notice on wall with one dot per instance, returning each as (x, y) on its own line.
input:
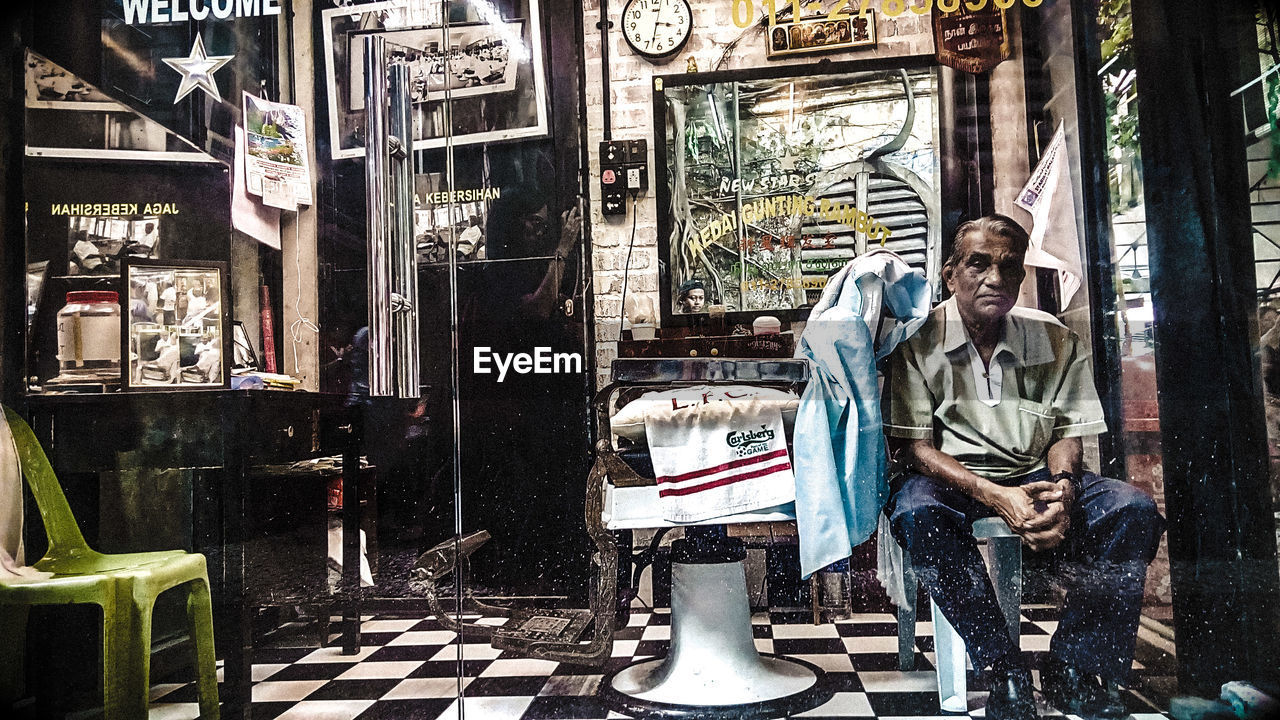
(278, 194)
(276, 152)
(247, 214)
(1049, 198)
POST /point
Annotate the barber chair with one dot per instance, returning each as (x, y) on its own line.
(712, 668)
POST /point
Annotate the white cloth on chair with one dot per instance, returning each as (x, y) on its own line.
(718, 459)
(11, 552)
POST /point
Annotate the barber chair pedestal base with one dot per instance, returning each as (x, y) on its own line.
(713, 666)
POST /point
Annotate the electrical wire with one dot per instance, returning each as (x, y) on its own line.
(303, 322)
(626, 269)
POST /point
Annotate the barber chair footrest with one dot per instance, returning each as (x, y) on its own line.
(526, 627)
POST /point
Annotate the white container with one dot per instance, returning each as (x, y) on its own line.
(766, 325)
(89, 334)
(642, 331)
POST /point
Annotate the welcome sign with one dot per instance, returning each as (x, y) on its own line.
(154, 12)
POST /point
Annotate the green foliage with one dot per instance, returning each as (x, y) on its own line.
(1115, 34)
(1115, 25)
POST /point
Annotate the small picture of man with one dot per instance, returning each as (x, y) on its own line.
(779, 38)
(169, 304)
(693, 295)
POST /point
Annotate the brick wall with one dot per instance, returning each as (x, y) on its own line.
(631, 100)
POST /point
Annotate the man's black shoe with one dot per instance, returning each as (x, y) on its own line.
(1012, 695)
(1075, 692)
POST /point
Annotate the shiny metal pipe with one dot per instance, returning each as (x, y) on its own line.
(404, 270)
(381, 381)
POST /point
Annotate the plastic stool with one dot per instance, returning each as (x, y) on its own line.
(1004, 562)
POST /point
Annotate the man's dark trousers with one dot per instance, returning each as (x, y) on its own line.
(1114, 533)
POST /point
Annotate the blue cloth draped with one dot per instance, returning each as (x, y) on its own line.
(840, 456)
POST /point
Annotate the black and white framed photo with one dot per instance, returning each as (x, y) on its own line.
(484, 65)
(176, 331)
(96, 244)
(480, 78)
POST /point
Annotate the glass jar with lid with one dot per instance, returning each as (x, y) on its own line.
(89, 334)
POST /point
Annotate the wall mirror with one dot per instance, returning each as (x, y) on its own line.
(769, 181)
(105, 186)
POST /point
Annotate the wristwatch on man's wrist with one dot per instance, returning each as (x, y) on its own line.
(1071, 478)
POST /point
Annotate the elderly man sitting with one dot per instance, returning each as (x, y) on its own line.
(989, 403)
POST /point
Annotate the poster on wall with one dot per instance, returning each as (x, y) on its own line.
(820, 34)
(276, 153)
(480, 77)
(485, 66)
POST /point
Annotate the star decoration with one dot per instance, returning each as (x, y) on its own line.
(197, 71)
(788, 162)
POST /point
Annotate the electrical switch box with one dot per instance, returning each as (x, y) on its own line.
(637, 160)
(623, 168)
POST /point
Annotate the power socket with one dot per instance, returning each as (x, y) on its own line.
(612, 194)
(623, 169)
(615, 204)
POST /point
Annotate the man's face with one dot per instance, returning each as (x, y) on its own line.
(533, 233)
(985, 280)
(694, 299)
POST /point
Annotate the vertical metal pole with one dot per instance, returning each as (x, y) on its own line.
(375, 173)
(737, 201)
(404, 271)
(455, 358)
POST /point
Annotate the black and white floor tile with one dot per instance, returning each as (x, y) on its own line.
(407, 670)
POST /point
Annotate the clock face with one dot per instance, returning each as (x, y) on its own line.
(657, 28)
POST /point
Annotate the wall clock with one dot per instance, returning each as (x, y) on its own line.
(657, 29)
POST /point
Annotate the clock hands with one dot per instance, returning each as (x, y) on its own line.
(657, 10)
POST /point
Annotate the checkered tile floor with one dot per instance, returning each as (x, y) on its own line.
(406, 670)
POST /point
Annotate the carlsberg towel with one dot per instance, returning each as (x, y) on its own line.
(717, 459)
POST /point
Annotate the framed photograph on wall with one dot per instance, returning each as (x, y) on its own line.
(177, 330)
(480, 77)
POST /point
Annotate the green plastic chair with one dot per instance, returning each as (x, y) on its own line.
(125, 586)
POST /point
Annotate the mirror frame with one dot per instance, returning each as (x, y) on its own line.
(661, 83)
(215, 268)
